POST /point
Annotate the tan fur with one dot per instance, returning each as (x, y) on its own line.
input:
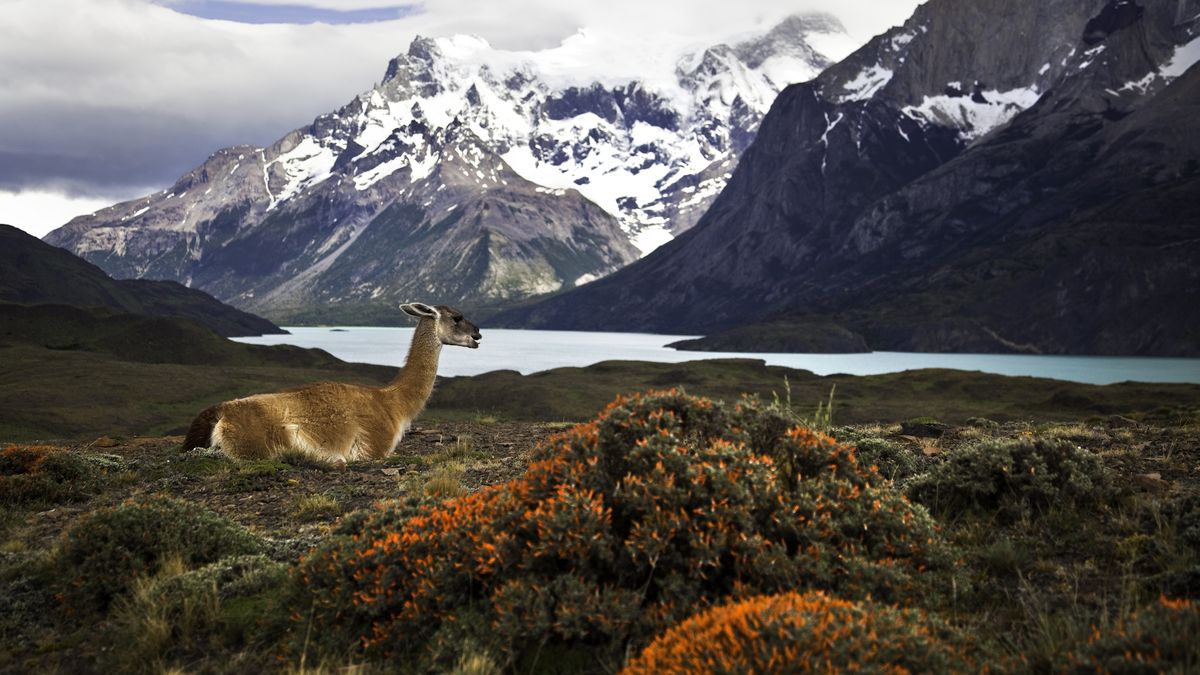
(342, 422)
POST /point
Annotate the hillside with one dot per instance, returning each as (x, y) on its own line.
(67, 372)
(33, 272)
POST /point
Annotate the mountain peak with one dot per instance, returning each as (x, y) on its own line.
(424, 48)
(458, 139)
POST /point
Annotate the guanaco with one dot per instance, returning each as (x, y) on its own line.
(334, 421)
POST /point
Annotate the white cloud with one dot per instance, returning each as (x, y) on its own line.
(39, 211)
(109, 95)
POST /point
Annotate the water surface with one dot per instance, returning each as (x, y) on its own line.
(529, 351)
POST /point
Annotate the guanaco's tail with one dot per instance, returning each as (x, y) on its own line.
(199, 435)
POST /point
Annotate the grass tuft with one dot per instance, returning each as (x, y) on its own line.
(308, 508)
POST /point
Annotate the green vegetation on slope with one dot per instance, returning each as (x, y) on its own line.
(67, 372)
(949, 395)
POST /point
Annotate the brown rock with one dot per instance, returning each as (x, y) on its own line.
(1152, 482)
(1119, 422)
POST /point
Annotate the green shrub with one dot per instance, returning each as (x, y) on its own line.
(1161, 638)
(177, 619)
(103, 553)
(893, 460)
(809, 632)
(1012, 477)
(1174, 534)
(1183, 513)
(620, 528)
(42, 474)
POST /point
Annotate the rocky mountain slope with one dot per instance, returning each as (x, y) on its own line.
(988, 177)
(469, 174)
(35, 273)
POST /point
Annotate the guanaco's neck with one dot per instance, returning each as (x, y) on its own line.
(414, 383)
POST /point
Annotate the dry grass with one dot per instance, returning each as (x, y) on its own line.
(1077, 432)
(151, 628)
(972, 433)
(325, 668)
(461, 450)
(445, 482)
(315, 507)
(473, 662)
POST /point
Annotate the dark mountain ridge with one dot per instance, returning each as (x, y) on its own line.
(988, 177)
(33, 272)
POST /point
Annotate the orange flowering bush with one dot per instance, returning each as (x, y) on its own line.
(17, 459)
(1161, 638)
(802, 632)
(620, 528)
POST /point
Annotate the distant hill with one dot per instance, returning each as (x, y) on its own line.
(71, 372)
(146, 339)
(34, 272)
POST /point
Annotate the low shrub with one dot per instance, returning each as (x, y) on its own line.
(1012, 477)
(19, 459)
(102, 554)
(43, 474)
(620, 528)
(803, 632)
(1183, 512)
(1173, 526)
(182, 618)
(893, 460)
(1161, 638)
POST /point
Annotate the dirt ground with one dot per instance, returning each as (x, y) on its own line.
(276, 499)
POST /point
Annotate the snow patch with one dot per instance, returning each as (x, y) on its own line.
(137, 213)
(651, 237)
(866, 84)
(1185, 57)
(901, 41)
(972, 119)
(305, 165)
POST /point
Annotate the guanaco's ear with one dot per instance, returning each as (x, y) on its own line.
(419, 309)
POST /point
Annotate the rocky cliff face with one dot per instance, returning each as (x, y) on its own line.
(988, 177)
(468, 174)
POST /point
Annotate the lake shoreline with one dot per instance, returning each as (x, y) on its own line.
(529, 352)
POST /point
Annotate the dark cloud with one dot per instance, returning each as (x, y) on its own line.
(100, 150)
(249, 12)
(132, 93)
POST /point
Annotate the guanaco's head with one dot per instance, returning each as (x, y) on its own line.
(452, 327)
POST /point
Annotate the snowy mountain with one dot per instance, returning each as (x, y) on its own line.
(472, 174)
(1018, 176)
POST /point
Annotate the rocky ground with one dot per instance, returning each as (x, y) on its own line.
(295, 498)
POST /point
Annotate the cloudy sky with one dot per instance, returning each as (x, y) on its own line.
(107, 100)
